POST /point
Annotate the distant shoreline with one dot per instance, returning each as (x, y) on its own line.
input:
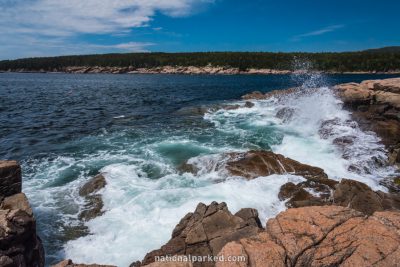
(188, 70)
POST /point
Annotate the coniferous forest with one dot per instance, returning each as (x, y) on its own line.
(379, 60)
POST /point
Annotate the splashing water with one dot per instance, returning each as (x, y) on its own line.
(146, 195)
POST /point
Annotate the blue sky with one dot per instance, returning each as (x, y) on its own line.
(54, 27)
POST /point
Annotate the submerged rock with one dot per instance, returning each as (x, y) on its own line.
(93, 185)
(92, 209)
(206, 231)
(321, 236)
(285, 114)
(94, 202)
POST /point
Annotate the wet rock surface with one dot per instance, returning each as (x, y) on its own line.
(10, 178)
(321, 236)
(19, 243)
(93, 185)
(94, 202)
(347, 193)
(285, 114)
(308, 193)
(375, 105)
(206, 231)
(359, 196)
(392, 183)
(253, 164)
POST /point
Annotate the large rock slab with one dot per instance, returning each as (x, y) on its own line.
(253, 164)
(10, 178)
(321, 236)
(19, 243)
(206, 231)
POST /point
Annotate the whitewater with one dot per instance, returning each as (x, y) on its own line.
(147, 193)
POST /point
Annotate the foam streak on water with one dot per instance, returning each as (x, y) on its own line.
(146, 195)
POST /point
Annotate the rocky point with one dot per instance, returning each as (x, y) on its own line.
(20, 246)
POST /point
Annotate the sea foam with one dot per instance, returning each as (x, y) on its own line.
(146, 195)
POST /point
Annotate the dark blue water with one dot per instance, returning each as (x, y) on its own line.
(139, 129)
(40, 113)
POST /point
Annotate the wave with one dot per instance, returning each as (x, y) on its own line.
(147, 193)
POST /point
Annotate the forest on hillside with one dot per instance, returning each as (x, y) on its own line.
(369, 60)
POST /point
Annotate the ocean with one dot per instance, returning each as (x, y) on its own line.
(140, 129)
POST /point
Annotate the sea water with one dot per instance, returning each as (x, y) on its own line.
(138, 130)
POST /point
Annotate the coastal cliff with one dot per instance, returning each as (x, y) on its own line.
(20, 246)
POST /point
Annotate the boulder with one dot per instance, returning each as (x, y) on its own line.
(308, 193)
(354, 94)
(320, 236)
(253, 164)
(206, 231)
(19, 243)
(382, 97)
(94, 202)
(361, 197)
(10, 178)
(93, 185)
(375, 105)
(388, 85)
(347, 193)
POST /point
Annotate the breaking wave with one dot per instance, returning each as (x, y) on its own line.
(147, 193)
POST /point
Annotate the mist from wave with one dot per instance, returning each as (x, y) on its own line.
(147, 193)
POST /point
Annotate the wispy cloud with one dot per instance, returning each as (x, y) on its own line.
(39, 47)
(52, 19)
(318, 32)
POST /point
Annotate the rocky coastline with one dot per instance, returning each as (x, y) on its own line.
(19, 243)
(190, 70)
(327, 223)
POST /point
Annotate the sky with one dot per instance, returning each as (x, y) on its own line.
(32, 28)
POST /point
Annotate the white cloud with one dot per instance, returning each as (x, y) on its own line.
(318, 32)
(131, 46)
(60, 18)
(40, 47)
(44, 19)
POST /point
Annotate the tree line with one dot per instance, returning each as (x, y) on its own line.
(378, 60)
